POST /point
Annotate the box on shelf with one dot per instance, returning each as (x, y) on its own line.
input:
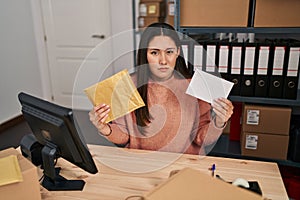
(170, 13)
(264, 145)
(152, 9)
(146, 21)
(214, 13)
(277, 13)
(29, 188)
(266, 119)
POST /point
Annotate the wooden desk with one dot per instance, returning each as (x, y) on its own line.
(111, 183)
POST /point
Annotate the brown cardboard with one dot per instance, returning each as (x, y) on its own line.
(264, 145)
(193, 184)
(214, 13)
(170, 13)
(277, 13)
(29, 188)
(266, 119)
(152, 9)
(146, 21)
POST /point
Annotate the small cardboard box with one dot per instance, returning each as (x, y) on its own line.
(277, 13)
(214, 13)
(170, 13)
(29, 188)
(264, 145)
(266, 119)
(152, 9)
(200, 186)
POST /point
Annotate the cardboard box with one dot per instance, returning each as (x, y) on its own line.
(200, 186)
(214, 13)
(266, 119)
(264, 145)
(170, 13)
(277, 13)
(152, 9)
(146, 21)
(29, 188)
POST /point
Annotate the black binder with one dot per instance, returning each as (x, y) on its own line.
(276, 67)
(210, 56)
(261, 69)
(222, 62)
(291, 75)
(235, 64)
(186, 51)
(198, 56)
(247, 70)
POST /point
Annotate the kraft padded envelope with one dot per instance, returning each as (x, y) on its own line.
(117, 91)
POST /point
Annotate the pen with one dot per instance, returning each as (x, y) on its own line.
(213, 168)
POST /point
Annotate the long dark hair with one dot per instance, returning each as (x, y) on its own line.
(143, 72)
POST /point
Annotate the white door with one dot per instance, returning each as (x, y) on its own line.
(73, 29)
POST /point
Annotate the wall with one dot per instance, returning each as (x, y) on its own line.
(122, 33)
(22, 54)
(19, 70)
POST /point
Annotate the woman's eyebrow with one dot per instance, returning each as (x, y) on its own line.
(158, 49)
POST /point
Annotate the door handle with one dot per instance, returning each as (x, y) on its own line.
(98, 36)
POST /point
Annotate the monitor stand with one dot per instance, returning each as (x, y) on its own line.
(52, 180)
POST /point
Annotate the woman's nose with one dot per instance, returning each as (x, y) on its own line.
(162, 59)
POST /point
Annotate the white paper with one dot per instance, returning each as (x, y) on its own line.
(208, 87)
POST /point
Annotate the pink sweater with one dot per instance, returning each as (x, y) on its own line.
(179, 122)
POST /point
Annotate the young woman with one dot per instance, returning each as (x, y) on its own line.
(171, 120)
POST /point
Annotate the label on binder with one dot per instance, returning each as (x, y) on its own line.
(251, 141)
(236, 60)
(278, 61)
(252, 117)
(293, 61)
(211, 57)
(223, 59)
(249, 60)
(198, 53)
(263, 60)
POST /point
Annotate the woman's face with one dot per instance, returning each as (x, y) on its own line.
(162, 54)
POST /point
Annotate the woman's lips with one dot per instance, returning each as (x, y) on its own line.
(163, 69)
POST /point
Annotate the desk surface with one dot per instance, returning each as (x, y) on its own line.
(126, 172)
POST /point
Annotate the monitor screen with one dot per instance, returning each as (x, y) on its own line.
(54, 127)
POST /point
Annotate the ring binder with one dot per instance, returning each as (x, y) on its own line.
(291, 75)
(248, 79)
(261, 70)
(277, 68)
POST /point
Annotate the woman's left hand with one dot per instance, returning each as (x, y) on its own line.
(223, 109)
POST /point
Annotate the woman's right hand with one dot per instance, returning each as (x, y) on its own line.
(98, 117)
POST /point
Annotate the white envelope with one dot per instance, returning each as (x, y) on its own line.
(208, 87)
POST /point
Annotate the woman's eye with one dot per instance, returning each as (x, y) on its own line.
(154, 53)
(170, 51)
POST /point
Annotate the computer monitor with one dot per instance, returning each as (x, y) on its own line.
(55, 129)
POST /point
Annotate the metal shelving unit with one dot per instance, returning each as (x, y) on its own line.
(224, 146)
